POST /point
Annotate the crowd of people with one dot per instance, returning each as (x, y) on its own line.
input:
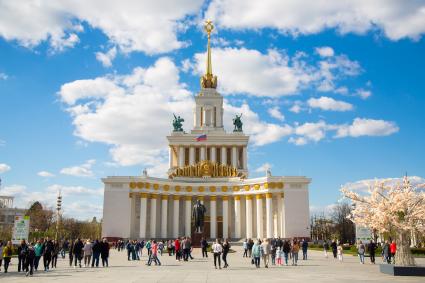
(30, 254)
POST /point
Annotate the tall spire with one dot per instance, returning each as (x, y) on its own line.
(208, 80)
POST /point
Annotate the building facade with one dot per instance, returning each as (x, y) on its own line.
(208, 164)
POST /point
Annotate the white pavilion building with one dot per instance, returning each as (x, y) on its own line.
(214, 171)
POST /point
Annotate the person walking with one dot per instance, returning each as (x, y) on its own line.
(273, 251)
(96, 253)
(204, 247)
(334, 248)
(256, 253)
(78, 252)
(286, 250)
(340, 252)
(226, 248)
(266, 248)
(104, 252)
(372, 250)
(217, 249)
(7, 255)
(245, 248)
(386, 252)
(279, 256)
(29, 260)
(47, 253)
(154, 254)
(294, 251)
(360, 251)
(393, 250)
(177, 249)
(55, 253)
(326, 248)
(87, 253)
(22, 249)
(1, 253)
(38, 249)
(304, 248)
(250, 246)
(71, 252)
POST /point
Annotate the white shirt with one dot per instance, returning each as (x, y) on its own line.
(217, 248)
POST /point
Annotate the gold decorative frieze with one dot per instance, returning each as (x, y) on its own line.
(166, 188)
(224, 188)
(236, 188)
(246, 187)
(201, 189)
(256, 187)
(140, 185)
(155, 187)
(207, 168)
(132, 185)
(213, 189)
(177, 188)
(188, 189)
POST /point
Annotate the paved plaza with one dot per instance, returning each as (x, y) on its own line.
(316, 269)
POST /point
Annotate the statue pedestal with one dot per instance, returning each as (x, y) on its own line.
(197, 237)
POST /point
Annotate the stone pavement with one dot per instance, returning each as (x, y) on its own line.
(316, 269)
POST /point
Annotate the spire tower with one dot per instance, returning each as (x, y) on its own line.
(208, 80)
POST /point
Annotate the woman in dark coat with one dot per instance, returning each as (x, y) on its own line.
(104, 252)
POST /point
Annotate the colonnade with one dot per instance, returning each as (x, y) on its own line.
(238, 155)
(269, 221)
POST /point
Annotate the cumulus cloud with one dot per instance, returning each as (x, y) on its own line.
(107, 57)
(397, 19)
(4, 168)
(275, 113)
(367, 127)
(148, 26)
(45, 174)
(3, 76)
(328, 103)
(263, 168)
(83, 170)
(325, 51)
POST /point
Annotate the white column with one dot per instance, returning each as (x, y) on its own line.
(213, 216)
(279, 215)
(238, 217)
(143, 220)
(133, 215)
(181, 156)
(259, 216)
(244, 158)
(164, 216)
(248, 206)
(223, 155)
(188, 216)
(269, 215)
(191, 155)
(234, 156)
(213, 154)
(203, 153)
(225, 217)
(176, 216)
(282, 213)
(170, 157)
(153, 216)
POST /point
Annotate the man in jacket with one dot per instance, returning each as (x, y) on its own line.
(104, 252)
(96, 253)
(372, 250)
(29, 259)
(204, 246)
(22, 250)
(47, 253)
(304, 246)
(78, 252)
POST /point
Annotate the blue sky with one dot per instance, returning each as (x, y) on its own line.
(89, 92)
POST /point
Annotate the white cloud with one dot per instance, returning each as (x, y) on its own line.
(107, 57)
(148, 26)
(310, 132)
(362, 93)
(4, 168)
(367, 127)
(395, 18)
(83, 170)
(3, 76)
(45, 174)
(296, 108)
(263, 168)
(67, 191)
(325, 51)
(362, 186)
(273, 74)
(328, 103)
(275, 113)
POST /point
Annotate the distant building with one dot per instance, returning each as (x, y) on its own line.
(8, 212)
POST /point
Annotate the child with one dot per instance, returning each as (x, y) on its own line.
(279, 255)
(339, 251)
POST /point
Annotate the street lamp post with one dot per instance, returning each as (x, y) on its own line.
(58, 213)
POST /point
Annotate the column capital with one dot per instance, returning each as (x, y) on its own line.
(188, 197)
(176, 197)
(225, 198)
(200, 197)
(248, 197)
(213, 198)
(164, 197)
(269, 195)
(237, 197)
(143, 195)
(259, 196)
(153, 196)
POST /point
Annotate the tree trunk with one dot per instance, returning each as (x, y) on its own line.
(403, 256)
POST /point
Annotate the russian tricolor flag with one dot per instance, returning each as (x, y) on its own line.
(201, 138)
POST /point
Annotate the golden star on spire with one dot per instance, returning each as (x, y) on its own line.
(208, 80)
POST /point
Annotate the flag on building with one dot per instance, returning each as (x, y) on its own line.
(201, 138)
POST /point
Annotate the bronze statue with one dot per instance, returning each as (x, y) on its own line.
(198, 213)
(178, 124)
(237, 122)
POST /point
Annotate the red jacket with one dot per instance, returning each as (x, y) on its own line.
(177, 245)
(393, 248)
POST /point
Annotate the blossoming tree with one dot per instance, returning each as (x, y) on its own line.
(389, 206)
